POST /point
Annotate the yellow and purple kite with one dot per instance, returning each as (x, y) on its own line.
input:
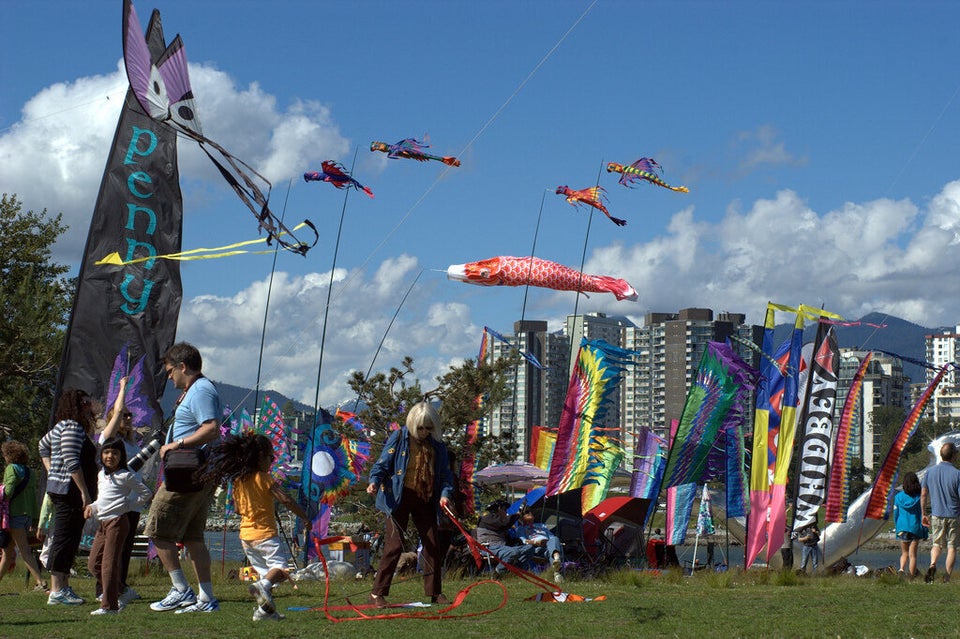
(646, 169)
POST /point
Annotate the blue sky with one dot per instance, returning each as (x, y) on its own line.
(817, 139)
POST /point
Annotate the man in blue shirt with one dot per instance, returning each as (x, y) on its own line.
(545, 544)
(181, 517)
(940, 505)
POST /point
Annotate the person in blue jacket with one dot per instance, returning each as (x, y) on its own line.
(906, 515)
(411, 479)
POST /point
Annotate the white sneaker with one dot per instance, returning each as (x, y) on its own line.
(260, 615)
(104, 611)
(202, 606)
(264, 596)
(175, 599)
(65, 596)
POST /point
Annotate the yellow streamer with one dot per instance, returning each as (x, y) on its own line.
(114, 259)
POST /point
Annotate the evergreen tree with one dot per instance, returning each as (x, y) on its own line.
(385, 399)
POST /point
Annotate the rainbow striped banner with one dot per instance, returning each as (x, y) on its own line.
(883, 484)
(838, 490)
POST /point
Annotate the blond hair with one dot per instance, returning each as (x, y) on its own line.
(421, 414)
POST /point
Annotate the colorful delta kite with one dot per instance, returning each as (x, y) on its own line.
(521, 271)
(163, 91)
(585, 450)
(594, 196)
(646, 169)
(412, 149)
(336, 175)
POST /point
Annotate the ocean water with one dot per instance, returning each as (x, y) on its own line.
(226, 547)
(873, 558)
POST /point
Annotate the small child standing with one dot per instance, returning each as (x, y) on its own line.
(810, 538)
(246, 460)
(118, 492)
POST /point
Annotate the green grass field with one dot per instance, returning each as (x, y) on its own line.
(733, 604)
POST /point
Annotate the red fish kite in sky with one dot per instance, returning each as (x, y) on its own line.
(520, 271)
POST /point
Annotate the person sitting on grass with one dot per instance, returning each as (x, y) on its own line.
(246, 460)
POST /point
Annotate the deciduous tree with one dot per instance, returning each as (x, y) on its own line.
(35, 301)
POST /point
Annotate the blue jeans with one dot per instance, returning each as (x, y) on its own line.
(807, 553)
(546, 551)
(517, 556)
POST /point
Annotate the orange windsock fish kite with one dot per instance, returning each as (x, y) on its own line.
(520, 271)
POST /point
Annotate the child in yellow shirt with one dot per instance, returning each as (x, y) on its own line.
(246, 460)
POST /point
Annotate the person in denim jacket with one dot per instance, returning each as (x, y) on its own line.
(410, 480)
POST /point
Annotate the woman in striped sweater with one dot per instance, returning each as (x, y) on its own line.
(70, 457)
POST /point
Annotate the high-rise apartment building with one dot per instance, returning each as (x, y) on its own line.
(942, 349)
(669, 347)
(883, 385)
(654, 387)
(536, 393)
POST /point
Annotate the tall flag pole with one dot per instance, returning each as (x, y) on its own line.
(777, 521)
(468, 465)
(138, 213)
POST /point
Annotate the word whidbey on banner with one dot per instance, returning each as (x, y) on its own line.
(815, 453)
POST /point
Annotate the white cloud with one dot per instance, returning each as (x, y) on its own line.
(875, 256)
(762, 147)
(227, 330)
(882, 255)
(54, 156)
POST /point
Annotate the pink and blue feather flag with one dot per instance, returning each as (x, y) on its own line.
(713, 404)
